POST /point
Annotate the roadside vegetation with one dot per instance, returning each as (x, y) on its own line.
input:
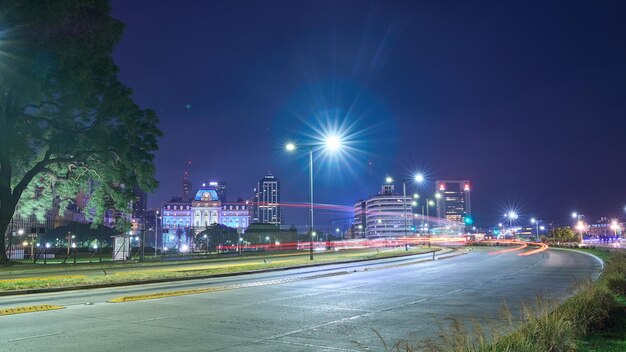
(593, 319)
(199, 269)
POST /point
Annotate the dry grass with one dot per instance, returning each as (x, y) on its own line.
(541, 327)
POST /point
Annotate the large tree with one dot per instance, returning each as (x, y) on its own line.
(67, 124)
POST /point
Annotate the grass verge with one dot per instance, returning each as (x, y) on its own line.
(199, 270)
(593, 319)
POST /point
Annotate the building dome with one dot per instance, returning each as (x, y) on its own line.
(206, 194)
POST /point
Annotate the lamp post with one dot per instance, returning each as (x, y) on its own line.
(512, 216)
(580, 226)
(429, 203)
(536, 222)
(331, 143)
(419, 178)
(614, 227)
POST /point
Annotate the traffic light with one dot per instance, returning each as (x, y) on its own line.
(468, 220)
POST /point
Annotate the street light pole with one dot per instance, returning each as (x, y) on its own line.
(311, 205)
(406, 244)
(332, 142)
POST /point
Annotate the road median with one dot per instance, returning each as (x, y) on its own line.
(202, 271)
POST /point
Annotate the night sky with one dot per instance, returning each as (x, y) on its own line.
(526, 99)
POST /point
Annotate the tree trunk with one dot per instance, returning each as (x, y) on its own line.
(5, 219)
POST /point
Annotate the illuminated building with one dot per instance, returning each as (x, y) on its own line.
(236, 215)
(382, 215)
(453, 200)
(206, 208)
(176, 222)
(360, 218)
(220, 188)
(267, 201)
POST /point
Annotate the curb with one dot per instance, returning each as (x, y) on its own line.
(586, 253)
(174, 279)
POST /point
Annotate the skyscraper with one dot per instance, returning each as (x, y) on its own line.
(453, 200)
(220, 188)
(267, 201)
(186, 195)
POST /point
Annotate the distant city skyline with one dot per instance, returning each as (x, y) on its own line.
(527, 104)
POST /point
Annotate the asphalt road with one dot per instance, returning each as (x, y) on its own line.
(332, 308)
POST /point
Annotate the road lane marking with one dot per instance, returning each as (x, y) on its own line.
(195, 291)
(28, 309)
(289, 333)
(36, 336)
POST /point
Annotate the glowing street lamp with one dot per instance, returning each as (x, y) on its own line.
(614, 226)
(332, 143)
(536, 222)
(512, 216)
(580, 226)
(419, 178)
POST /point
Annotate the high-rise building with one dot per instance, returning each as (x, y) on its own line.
(267, 201)
(139, 203)
(220, 188)
(187, 185)
(453, 200)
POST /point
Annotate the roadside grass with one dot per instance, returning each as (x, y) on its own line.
(143, 274)
(593, 319)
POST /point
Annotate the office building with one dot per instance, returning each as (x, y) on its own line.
(453, 200)
(187, 185)
(383, 215)
(220, 188)
(267, 201)
(360, 219)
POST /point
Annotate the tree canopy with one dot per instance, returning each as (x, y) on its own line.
(67, 124)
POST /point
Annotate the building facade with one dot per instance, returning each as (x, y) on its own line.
(384, 215)
(206, 208)
(176, 214)
(453, 200)
(236, 215)
(360, 219)
(267, 201)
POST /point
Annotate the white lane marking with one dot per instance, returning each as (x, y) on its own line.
(278, 336)
(36, 336)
